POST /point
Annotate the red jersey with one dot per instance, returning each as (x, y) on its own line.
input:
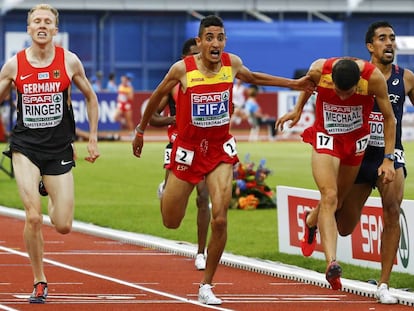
(341, 127)
(203, 123)
(45, 121)
(204, 110)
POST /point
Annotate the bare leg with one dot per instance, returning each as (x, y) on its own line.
(203, 216)
(391, 195)
(27, 178)
(219, 184)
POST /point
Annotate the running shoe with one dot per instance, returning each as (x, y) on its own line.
(333, 275)
(42, 189)
(206, 296)
(384, 296)
(308, 242)
(39, 293)
(200, 262)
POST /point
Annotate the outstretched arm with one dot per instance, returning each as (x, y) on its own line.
(259, 78)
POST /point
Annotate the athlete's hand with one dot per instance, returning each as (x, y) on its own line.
(137, 144)
(93, 151)
(292, 116)
(387, 171)
(305, 83)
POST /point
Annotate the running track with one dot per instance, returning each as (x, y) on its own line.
(102, 269)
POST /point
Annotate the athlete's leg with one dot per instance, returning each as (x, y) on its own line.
(27, 178)
(325, 172)
(61, 200)
(174, 201)
(219, 183)
(348, 216)
(391, 195)
(203, 215)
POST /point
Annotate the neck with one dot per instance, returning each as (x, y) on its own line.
(210, 68)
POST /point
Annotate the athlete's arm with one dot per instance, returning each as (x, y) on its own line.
(378, 88)
(76, 71)
(260, 78)
(409, 84)
(7, 75)
(159, 120)
(314, 73)
(175, 75)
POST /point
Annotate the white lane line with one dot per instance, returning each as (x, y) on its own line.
(6, 308)
(118, 281)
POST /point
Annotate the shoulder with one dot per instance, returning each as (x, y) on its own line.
(9, 69)
(408, 81)
(235, 59)
(178, 68)
(70, 57)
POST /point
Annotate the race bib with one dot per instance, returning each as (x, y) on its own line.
(230, 147)
(361, 144)
(324, 141)
(42, 110)
(399, 156)
(210, 109)
(376, 124)
(184, 156)
(167, 156)
(342, 119)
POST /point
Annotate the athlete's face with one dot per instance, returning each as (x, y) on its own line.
(383, 45)
(42, 26)
(212, 43)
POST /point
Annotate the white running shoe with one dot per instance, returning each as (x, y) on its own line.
(384, 296)
(160, 189)
(206, 296)
(200, 262)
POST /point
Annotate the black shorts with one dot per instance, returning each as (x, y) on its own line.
(61, 163)
(368, 172)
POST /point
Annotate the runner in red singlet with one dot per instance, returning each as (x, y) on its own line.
(345, 97)
(204, 148)
(41, 142)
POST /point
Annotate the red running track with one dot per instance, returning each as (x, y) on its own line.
(91, 273)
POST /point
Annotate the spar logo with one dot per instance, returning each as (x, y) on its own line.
(404, 249)
(366, 238)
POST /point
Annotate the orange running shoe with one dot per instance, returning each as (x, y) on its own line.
(333, 275)
(39, 294)
(308, 242)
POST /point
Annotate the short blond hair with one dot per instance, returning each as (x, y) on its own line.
(43, 6)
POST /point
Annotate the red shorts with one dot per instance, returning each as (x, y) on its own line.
(349, 148)
(124, 106)
(193, 161)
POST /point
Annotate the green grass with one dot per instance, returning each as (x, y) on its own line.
(119, 191)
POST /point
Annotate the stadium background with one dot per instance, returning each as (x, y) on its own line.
(144, 37)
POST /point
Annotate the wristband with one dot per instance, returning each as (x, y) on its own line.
(139, 131)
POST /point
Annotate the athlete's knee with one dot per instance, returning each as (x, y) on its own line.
(64, 227)
(34, 220)
(202, 202)
(171, 223)
(219, 223)
(329, 198)
(344, 230)
(392, 215)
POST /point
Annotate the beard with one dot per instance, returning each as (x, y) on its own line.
(387, 61)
